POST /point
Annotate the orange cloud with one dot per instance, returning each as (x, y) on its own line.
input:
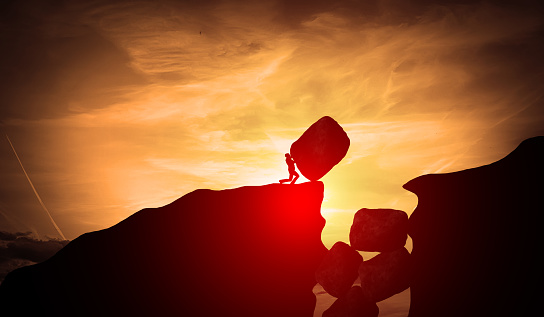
(117, 106)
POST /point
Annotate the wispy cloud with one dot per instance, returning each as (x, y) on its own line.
(137, 95)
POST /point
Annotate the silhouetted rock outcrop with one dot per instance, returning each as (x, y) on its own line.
(353, 304)
(320, 148)
(379, 230)
(477, 234)
(339, 268)
(249, 251)
(385, 275)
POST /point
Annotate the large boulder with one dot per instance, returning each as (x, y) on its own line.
(339, 269)
(353, 304)
(320, 148)
(249, 251)
(385, 275)
(477, 238)
(379, 230)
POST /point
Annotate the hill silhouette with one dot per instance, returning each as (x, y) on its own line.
(476, 237)
(249, 251)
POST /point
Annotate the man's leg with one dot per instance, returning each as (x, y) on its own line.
(286, 180)
(296, 177)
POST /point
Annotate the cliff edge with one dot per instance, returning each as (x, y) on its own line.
(476, 236)
(249, 251)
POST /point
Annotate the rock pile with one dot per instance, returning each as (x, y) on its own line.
(338, 270)
(463, 223)
(387, 274)
(379, 230)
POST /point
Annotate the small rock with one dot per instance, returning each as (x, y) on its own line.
(379, 230)
(386, 274)
(353, 304)
(320, 148)
(338, 270)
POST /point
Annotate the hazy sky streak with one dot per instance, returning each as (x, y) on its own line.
(35, 191)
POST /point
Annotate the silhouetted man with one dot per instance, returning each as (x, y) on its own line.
(291, 168)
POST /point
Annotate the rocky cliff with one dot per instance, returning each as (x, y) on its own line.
(477, 237)
(249, 251)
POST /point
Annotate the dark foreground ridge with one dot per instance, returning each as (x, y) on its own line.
(477, 234)
(249, 251)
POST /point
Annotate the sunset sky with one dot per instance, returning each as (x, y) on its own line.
(114, 106)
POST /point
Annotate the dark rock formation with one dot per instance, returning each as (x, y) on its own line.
(249, 251)
(477, 234)
(320, 148)
(379, 230)
(385, 275)
(339, 269)
(353, 304)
